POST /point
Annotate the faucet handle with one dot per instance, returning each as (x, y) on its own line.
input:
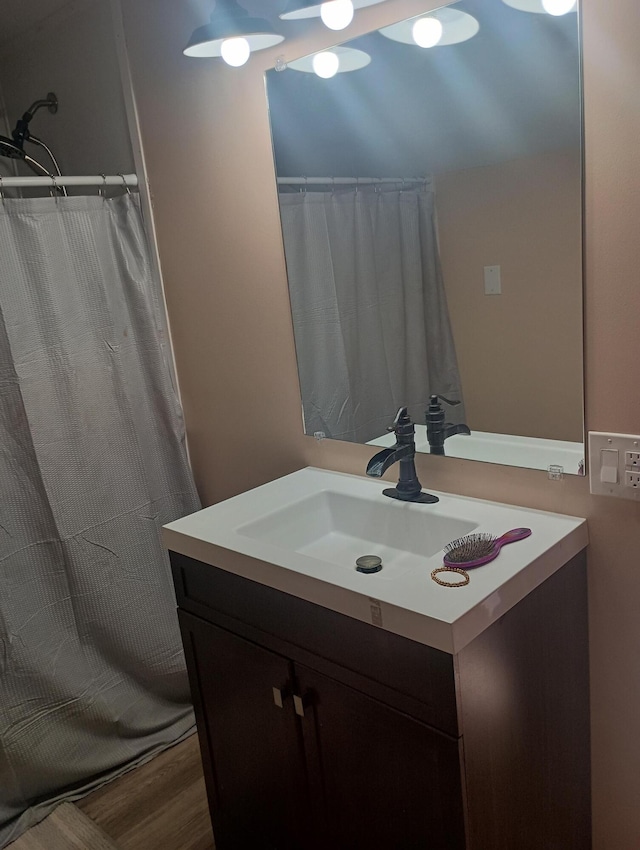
(435, 398)
(402, 424)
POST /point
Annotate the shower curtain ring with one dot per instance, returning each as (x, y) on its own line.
(2, 191)
(102, 191)
(124, 182)
(54, 188)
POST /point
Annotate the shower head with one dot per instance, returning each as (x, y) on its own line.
(14, 147)
(21, 131)
(10, 148)
(14, 151)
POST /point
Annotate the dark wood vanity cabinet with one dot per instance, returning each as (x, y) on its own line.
(321, 731)
(258, 796)
(300, 759)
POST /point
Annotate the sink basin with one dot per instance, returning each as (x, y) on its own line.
(301, 534)
(339, 528)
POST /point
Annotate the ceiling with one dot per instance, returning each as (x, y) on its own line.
(20, 15)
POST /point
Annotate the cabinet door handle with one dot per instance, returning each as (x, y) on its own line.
(302, 702)
(277, 697)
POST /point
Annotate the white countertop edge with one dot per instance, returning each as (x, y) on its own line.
(447, 637)
(514, 590)
(409, 624)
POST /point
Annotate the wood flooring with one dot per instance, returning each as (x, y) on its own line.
(66, 828)
(161, 805)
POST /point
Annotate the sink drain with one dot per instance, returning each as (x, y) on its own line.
(369, 564)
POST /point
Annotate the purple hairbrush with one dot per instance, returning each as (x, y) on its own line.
(474, 550)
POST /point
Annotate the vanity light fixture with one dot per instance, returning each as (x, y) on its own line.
(328, 63)
(437, 28)
(544, 7)
(335, 14)
(427, 32)
(231, 34)
(559, 7)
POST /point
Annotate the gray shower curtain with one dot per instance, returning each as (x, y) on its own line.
(92, 463)
(370, 315)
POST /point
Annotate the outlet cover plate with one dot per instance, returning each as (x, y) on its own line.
(599, 442)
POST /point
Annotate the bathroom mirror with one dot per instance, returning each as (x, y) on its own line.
(466, 282)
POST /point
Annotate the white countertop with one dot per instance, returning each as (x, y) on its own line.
(405, 601)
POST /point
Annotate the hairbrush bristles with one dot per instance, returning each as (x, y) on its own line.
(469, 548)
(474, 550)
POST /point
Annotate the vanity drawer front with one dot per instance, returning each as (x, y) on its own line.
(414, 678)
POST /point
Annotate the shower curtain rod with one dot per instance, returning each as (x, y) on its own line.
(349, 181)
(99, 180)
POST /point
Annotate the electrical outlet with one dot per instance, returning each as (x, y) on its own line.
(614, 465)
(632, 460)
(632, 479)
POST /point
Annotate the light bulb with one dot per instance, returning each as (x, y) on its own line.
(235, 51)
(427, 32)
(326, 64)
(558, 7)
(337, 14)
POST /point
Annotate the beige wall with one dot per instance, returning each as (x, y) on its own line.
(519, 353)
(218, 227)
(71, 53)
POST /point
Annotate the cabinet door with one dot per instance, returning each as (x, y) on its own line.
(254, 760)
(387, 780)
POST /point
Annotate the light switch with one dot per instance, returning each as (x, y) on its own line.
(609, 466)
(492, 281)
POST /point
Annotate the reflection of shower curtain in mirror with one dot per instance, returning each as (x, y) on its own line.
(370, 315)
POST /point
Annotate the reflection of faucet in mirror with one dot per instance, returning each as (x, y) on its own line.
(408, 488)
(437, 429)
